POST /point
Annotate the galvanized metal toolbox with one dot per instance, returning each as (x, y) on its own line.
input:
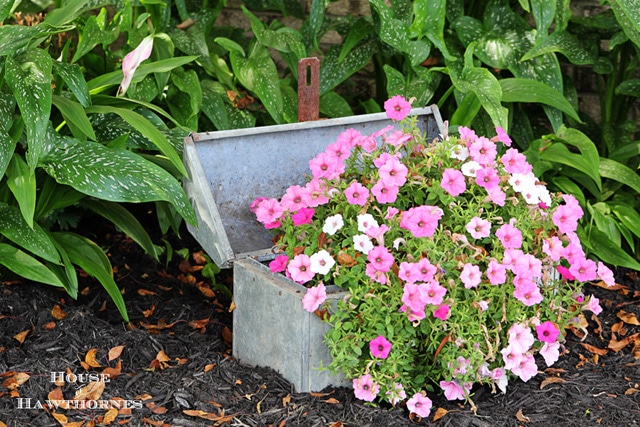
(227, 171)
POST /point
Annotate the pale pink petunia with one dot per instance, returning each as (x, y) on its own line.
(520, 337)
(384, 158)
(362, 243)
(500, 378)
(470, 168)
(357, 194)
(511, 258)
(528, 295)
(321, 262)
(527, 368)
(269, 211)
(397, 108)
(605, 274)
(409, 272)
(376, 275)
(470, 276)
(380, 258)
(478, 228)
(459, 152)
(553, 248)
(515, 162)
(550, 352)
(364, 388)
(509, 236)
(398, 138)
(453, 182)
(593, 305)
(584, 269)
(466, 134)
(454, 391)
(314, 298)
(279, 264)
(496, 272)
(380, 347)
(483, 151)
(396, 394)
(299, 268)
(366, 221)
(385, 193)
(303, 216)
(391, 212)
(433, 293)
(497, 196)
(377, 233)
(547, 332)
(487, 178)
(295, 198)
(511, 357)
(421, 221)
(393, 173)
(502, 136)
(132, 61)
(420, 405)
(332, 224)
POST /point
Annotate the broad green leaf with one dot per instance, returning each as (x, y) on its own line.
(258, 73)
(216, 106)
(26, 266)
(72, 75)
(628, 15)
(624, 153)
(7, 147)
(124, 220)
(559, 153)
(627, 215)
(567, 44)
(608, 251)
(189, 83)
(14, 39)
(113, 78)
(579, 140)
(600, 214)
(467, 110)
(75, 116)
(333, 105)
(282, 40)
(629, 87)
(22, 183)
(65, 272)
(95, 32)
(543, 12)
(141, 124)
(334, 72)
(88, 256)
(526, 90)
(584, 181)
(230, 45)
(54, 196)
(29, 77)
(113, 174)
(33, 239)
(569, 186)
(619, 172)
(357, 32)
(7, 7)
(63, 15)
(429, 19)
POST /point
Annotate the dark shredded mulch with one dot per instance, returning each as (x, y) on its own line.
(176, 367)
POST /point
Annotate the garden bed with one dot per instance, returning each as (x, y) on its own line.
(176, 367)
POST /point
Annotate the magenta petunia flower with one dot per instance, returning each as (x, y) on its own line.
(442, 312)
(393, 172)
(279, 264)
(509, 236)
(300, 268)
(421, 221)
(547, 332)
(397, 108)
(565, 273)
(420, 405)
(380, 258)
(380, 347)
(357, 194)
(384, 193)
(303, 216)
(453, 182)
(478, 228)
(364, 388)
(471, 276)
(314, 298)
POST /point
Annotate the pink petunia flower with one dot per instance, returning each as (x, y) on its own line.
(509, 236)
(318, 192)
(471, 276)
(520, 337)
(303, 216)
(385, 193)
(412, 297)
(547, 332)
(380, 258)
(453, 390)
(478, 228)
(483, 151)
(300, 268)
(466, 134)
(357, 194)
(515, 162)
(453, 182)
(566, 216)
(397, 108)
(268, 211)
(497, 196)
(420, 405)
(380, 347)
(433, 293)
(391, 212)
(376, 275)
(593, 305)
(393, 173)
(279, 264)
(314, 298)
(421, 221)
(349, 137)
(326, 166)
(487, 178)
(426, 270)
(502, 136)
(511, 357)
(442, 312)
(553, 248)
(295, 198)
(339, 150)
(364, 388)
(528, 295)
(398, 138)
(605, 274)
(496, 272)
(584, 269)
(550, 352)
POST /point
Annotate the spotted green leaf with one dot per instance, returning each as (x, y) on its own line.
(357, 32)
(88, 256)
(14, 39)
(216, 106)
(33, 239)
(628, 15)
(22, 183)
(333, 105)
(429, 19)
(113, 174)
(27, 266)
(629, 87)
(94, 33)
(63, 15)
(565, 43)
(7, 147)
(72, 75)
(7, 7)
(29, 77)
(188, 83)
(526, 90)
(282, 40)
(75, 116)
(543, 12)
(333, 72)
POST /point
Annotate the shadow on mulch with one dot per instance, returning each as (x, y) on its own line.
(175, 366)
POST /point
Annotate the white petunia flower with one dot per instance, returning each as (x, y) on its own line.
(470, 168)
(365, 221)
(321, 262)
(362, 243)
(332, 224)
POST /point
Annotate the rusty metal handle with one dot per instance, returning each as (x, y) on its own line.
(308, 89)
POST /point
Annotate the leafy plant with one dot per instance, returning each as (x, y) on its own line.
(65, 142)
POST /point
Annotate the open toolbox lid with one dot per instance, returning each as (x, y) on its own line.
(229, 169)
